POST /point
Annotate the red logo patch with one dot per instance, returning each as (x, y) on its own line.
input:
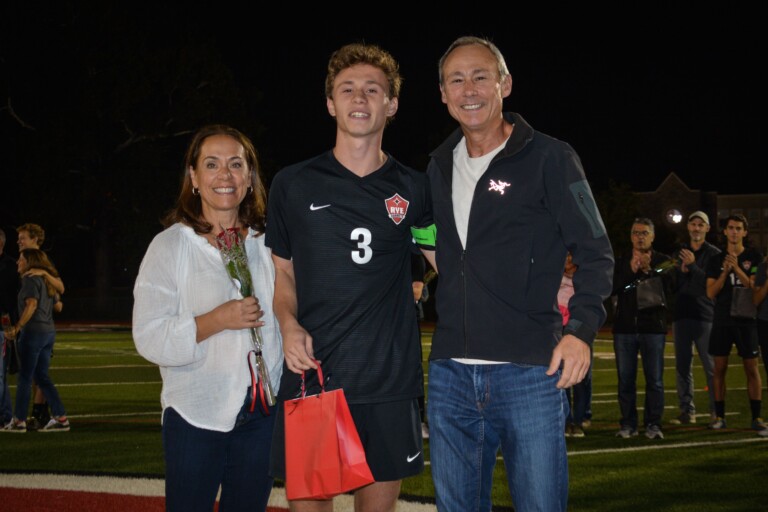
(397, 208)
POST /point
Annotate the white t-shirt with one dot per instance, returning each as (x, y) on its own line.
(182, 276)
(466, 173)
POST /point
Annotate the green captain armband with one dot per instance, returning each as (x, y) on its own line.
(425, 237)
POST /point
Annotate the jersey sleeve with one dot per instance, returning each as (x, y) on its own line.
(277, 233)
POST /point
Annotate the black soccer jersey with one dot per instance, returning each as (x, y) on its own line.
(350, 241)
(748, 261)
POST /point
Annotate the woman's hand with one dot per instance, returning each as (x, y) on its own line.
(235, 314)
(241, 313)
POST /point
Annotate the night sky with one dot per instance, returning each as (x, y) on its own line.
(100, 100)
(637, 96)
(636, 104)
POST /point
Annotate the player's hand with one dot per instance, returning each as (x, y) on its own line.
(297, 350)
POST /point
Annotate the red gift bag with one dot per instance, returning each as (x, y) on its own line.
(323, 453)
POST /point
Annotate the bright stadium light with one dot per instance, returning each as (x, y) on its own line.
(674, 216)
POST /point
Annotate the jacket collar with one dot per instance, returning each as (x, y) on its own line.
(521, 136)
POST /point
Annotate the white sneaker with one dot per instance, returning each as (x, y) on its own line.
(654, 432)
(626, 432)
(718, 424)
(54, 425)
(424, 431)
(15, 427)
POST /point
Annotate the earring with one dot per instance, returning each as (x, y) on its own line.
(250, 189)
(195, 191)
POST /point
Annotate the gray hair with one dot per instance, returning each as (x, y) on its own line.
(645, 221)
(467, 40)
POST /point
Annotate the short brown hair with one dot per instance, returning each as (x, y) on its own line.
(737, 217)
(35, 231)
(361, 53)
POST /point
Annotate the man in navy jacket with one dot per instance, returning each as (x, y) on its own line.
(509, 203)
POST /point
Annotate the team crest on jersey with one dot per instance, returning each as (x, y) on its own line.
(746, 265)
(397, 208)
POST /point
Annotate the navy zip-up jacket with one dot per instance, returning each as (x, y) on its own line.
(496, 299)
(691, 287)
(628, 319)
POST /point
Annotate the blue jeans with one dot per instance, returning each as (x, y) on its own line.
(35, 349)
(198, 461)
(475, 409)
(651, 349)
(6, 410)
(580, 400)
(690, 332)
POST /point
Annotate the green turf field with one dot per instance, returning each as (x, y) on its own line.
(112, 397)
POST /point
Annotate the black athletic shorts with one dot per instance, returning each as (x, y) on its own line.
(762, 338)
(744, 336)
(390, 433)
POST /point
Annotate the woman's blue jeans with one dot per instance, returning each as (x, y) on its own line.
(198, 461)
(35, 349)
(474, 410)
(651, 350)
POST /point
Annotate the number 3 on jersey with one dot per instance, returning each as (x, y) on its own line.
(363, 254)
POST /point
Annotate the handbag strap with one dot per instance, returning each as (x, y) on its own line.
(319, 378)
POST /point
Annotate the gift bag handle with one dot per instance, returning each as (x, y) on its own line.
(319, 378)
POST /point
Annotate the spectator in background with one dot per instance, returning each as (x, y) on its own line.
(36, 335)
(693, 317)
(734, 268)
(580, 394)
(640, 326)
(9, 290)
(32, 236)
(760, 291)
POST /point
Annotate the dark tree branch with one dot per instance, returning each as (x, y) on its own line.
(13, 114)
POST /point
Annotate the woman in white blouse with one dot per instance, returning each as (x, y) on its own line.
(190, 320)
